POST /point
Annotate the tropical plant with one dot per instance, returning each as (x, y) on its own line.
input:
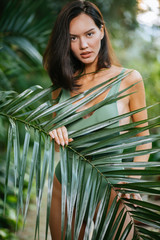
(8, 220)
(24, 109)
(24, 32)
(24, 28)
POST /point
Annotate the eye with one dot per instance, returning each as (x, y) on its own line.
(90, 34)
(73, 38)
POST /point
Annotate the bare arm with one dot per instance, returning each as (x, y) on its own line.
(60, 135)
(137, 100)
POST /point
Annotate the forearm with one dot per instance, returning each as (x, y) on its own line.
(142, 158)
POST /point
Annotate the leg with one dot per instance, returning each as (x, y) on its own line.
(128, 219)
(55, 214)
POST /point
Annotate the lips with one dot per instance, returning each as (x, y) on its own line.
(86, 54)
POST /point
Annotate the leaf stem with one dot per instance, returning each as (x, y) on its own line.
(24, 122)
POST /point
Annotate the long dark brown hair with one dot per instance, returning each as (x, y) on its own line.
(58, 60)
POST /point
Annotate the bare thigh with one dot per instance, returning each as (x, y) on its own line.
(127, 220)
(55, 214)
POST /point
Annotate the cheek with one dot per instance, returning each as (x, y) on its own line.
(96, 44)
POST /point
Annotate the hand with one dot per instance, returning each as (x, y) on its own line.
(60, 135)
(135, 196)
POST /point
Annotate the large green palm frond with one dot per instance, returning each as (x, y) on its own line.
(80, 193)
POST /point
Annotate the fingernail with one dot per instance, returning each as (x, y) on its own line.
(52, 136)
(63, 144)
(66, 142)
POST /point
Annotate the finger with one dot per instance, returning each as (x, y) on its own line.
(119, 196)
(60, 136)
(128, 196)
(70, 139)
(137, 197)
(121, 182)
(65, 134)
(56, 136)
(134, 197)
(51, 134)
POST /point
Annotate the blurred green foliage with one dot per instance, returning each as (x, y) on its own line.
(8, 217)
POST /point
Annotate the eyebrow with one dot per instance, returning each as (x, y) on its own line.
(84, 32)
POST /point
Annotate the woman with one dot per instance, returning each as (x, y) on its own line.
(78, 57)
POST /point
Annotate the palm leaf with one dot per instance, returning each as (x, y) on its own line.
(50, 184)
(82, 194)
(22, 32)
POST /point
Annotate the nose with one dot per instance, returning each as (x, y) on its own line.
(83, 43)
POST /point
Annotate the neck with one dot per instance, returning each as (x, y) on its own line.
(89, 68)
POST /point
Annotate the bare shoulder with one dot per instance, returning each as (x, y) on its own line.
(134, 82)
(56, 93)
(133, 76)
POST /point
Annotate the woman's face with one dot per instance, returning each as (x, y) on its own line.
(85, 38)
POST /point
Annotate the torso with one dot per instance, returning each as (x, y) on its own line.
(122, 105)
(125, 104)
(102, 114)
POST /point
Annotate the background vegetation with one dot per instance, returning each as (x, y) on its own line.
(25, 26)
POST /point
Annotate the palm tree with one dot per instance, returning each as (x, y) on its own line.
(24, 109)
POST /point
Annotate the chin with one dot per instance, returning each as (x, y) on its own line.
(88, 60)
